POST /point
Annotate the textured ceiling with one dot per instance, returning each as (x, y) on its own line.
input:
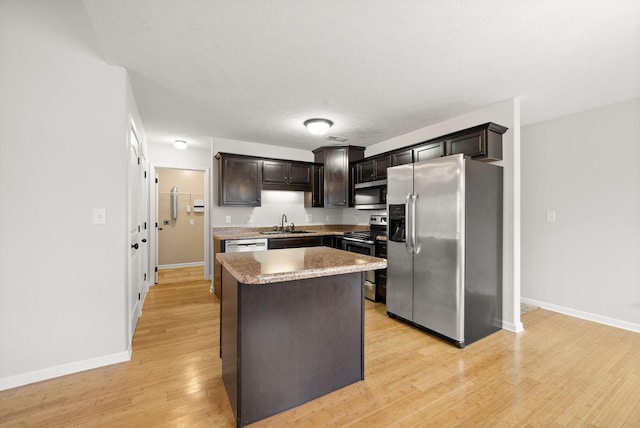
(255, 70)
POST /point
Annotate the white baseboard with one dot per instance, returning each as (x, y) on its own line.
(509, 326)
(65, 369)
(613, 322)
(180, 265)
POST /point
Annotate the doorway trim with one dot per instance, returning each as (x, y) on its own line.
(153, 216)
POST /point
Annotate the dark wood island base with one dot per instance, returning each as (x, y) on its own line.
(285, 343)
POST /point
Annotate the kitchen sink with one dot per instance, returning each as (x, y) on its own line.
(283, 232)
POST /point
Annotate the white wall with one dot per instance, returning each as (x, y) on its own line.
(506, 113)
(274, 203)
(64, 123)
(585, 168)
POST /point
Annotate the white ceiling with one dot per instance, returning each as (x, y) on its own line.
(255, 70)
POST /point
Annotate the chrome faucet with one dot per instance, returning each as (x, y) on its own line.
(283, 221)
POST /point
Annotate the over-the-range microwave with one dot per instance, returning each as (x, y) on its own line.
(371, 195)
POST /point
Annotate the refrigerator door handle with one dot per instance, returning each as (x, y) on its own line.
(415, 243)
(407, 241)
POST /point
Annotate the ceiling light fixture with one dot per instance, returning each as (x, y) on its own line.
(318, 126)
(180, 144)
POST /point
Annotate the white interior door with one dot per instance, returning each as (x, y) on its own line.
(145, 243)
(136, 172)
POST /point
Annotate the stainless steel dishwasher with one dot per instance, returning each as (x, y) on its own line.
(242, 245)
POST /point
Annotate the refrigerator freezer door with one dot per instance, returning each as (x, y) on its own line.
(399, 259)
(438, 290)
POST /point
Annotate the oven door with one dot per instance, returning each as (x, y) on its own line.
(369, 276)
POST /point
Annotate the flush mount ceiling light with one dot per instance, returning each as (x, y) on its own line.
(180, 144)
(318, 126)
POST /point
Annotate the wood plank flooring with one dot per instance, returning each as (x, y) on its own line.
(182, 274)
(561, 371)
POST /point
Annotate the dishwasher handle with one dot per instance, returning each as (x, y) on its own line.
(238, 246)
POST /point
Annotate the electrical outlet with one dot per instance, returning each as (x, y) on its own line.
(227, 219)
(99, 216)
(192, 222)
(309, 218)
(249, 219)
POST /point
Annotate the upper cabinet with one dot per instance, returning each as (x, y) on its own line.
(429, 151)
(337, 176)
(481, 142)
(239, 179)
(372, 169)
(286, 175)
(401, 157)
(315, 198)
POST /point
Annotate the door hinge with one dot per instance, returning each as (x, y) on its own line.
(145, 276)
(156, 224)
(145, 174)
(139, 297)
(156, 268)
(145, 225)
(156, 181)
(138, 228)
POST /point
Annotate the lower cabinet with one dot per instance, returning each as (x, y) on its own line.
(381, 274)
(332, 241)
(307, 241)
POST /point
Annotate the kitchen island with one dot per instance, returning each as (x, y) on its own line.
(291, 326)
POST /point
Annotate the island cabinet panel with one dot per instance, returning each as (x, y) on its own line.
(283, 344)
(239, 179)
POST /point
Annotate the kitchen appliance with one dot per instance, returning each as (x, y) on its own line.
(244, 245)
(364, 242)
(444, 247)
(371, 195)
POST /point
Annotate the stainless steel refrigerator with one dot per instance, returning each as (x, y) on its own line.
(444, 247)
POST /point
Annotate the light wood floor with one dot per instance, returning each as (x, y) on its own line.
(561, 371)
(183, 274)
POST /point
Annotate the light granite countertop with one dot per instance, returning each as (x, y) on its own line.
(226, 233)
(267, 267)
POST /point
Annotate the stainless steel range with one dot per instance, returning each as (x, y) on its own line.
(364, 242)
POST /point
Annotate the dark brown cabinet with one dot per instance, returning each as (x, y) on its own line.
(381, 274)
(239, 179)
(401, 158)
(481, 142)
(315, 198)
(284, 175)
(337, 176)
(332, 241)
(308, 241)
(429, 151)
(372, 169)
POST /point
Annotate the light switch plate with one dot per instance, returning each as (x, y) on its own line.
(227, 219)
(99, 216)
(551, 216)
